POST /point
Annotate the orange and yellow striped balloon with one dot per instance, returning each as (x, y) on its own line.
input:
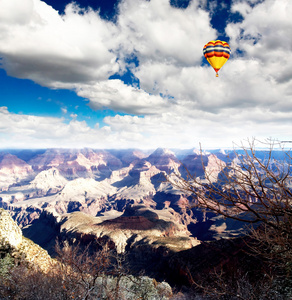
(217, 53)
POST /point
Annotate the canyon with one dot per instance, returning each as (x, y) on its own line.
(122, 199)
(119, 195)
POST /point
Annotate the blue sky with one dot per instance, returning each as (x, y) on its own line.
(23, 96)
(131, 73)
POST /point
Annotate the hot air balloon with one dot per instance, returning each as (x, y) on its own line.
(217, 54)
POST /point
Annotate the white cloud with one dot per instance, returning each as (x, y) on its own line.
(73, 116)
(27, 131)
(81, 47)
(159, 32)
(17, 12)
(121, 97)
(265, 35)
(64, 110)
(51, 49)
(182, 130)
(251, 97)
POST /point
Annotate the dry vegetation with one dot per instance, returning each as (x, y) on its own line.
(77, 273)
(258, 192)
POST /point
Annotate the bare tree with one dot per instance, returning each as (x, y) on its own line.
(255, 189)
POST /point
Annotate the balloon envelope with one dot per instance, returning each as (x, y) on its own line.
(217, 53)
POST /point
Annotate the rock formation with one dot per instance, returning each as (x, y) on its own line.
(137, 226)
(21, 248)
(97, 181)
(9, 231)
(12, 170)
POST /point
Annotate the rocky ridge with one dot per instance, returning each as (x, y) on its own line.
(97, 181)
(41, 272)
(12, 170)
(137, 226)
(21, 248)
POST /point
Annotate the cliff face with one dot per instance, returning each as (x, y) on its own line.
(98, 181)
(67, 279)
(19, 247)
(137, 226)
(9, 231)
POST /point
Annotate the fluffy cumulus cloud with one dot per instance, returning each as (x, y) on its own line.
(158, 32)
(39, 44)
(265, 36)
(179, 102)
(121, 97)
(79, 46)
